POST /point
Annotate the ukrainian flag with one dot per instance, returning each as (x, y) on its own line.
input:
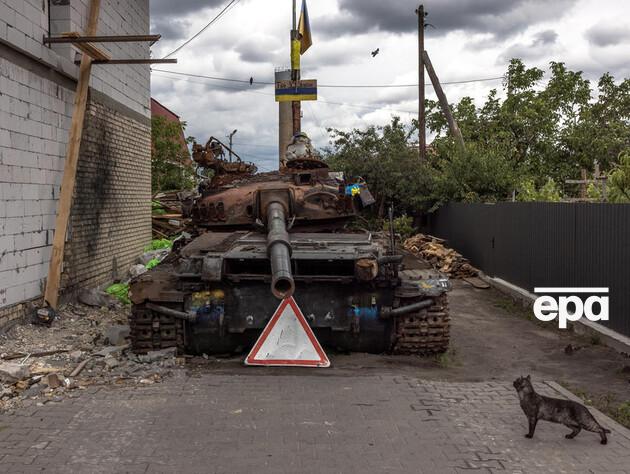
(304, 29)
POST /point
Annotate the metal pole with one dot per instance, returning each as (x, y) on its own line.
(285, 120)
(295, 73)
(231, 135)
(421, 120)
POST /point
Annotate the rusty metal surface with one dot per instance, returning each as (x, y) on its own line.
(285, 229)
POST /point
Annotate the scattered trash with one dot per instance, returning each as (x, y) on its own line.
(158, 244)
(51, 380)
(120, 291)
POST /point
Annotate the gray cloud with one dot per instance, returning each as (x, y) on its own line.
(170, 28)
(603, 35)
(181, 7)
(500, 18)
(537, 48)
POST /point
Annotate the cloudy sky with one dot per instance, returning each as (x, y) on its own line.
(471, 39)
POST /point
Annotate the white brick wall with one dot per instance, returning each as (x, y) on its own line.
(23, 24)
(35, 115)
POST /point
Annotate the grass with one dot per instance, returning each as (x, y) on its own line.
(607, 403)
(521, 311)
(447, 359)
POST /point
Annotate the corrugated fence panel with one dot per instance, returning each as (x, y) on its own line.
(546, 244)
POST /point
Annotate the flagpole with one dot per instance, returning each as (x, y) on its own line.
(295, 70)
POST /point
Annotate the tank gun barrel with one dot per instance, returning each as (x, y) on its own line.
(279, 251)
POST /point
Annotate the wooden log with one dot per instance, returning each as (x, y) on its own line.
(446, 109)
(51, 295)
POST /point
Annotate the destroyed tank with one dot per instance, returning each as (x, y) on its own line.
(257, 238)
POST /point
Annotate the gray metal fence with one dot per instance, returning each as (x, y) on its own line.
(546, 245)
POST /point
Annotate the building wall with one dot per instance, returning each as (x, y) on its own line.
(37, 86)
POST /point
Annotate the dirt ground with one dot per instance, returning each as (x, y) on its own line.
(493, 339)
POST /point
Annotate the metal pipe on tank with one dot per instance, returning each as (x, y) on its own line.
(279, 250)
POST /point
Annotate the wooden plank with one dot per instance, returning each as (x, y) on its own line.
(87, 48)
(51, 295)
(446, 109)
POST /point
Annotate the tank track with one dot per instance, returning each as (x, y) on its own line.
(152, 331)
(425, 332)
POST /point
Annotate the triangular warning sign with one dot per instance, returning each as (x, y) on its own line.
(288, 340)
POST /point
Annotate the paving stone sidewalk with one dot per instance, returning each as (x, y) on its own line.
(269, 422)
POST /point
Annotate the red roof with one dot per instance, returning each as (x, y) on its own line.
(159, 110)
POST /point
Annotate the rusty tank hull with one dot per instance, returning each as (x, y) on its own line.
(260, 238)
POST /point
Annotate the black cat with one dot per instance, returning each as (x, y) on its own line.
(569, 413)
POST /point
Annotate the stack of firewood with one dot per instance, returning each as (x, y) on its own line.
(444, 259)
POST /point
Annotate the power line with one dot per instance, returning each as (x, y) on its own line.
(344, 104)
(216, 18)
(333, 86)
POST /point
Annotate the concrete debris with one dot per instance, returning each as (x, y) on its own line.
(97, 298)
(111, 362)
(111, 350)
(11, 372)
(76, 356)
(117, 335)
(136, 270)
(78, 351)
(155, 356)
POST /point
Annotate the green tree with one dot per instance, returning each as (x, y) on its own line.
(169, 170)
(386, 159)
(528, 139)
(619, 180)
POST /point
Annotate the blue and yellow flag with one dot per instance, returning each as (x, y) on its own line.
(304, 28)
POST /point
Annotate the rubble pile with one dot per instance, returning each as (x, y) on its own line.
(85, 346)
(167, 220)
(442, 258)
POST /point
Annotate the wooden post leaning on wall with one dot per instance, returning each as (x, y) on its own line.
(452, 124)
(51, 295)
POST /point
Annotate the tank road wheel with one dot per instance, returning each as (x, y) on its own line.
(152, 331)
(424, 332)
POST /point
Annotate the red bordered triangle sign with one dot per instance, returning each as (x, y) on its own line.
(288, 340)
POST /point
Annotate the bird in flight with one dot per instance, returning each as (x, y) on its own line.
(375, 52)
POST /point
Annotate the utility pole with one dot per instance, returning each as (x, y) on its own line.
(231, 135)
(446, 109)
(422, 145)
(295, 70)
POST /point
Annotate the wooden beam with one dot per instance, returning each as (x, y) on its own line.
(87, 48)
(51, 295)
(100, 39)
(134, 61)
(446, 109)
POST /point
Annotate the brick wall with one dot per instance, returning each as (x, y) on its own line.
(111, 212)
(37, 86)
(34, 122)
